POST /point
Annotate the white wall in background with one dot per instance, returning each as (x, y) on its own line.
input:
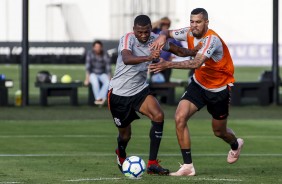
(237, 21)
(246, 25)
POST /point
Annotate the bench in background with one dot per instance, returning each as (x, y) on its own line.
(167, 90)
(262, 91)
(4, 86)
(58, 89)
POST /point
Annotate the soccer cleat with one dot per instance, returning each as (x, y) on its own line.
(154, 167)
(120, 160)
(185, 170)
(233, 155)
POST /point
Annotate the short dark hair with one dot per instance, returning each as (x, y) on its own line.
(97, 42)
(142, 20)
(197, 11)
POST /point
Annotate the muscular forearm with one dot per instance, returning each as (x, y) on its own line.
(187, 64)
(180, 51)
(133, 60)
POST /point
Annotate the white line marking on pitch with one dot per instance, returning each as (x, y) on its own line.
(92, 179)
(136, 136)
(140, 154)
(212, 179)
(9, 182)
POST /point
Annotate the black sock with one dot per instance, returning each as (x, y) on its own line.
(234, 145)
(122, 146)
(186, 154)
(156, 134)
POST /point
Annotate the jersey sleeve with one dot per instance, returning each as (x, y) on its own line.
(210, 45)
(126, 42)
(180, 34)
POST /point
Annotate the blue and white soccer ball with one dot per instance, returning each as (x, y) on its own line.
(133, 167)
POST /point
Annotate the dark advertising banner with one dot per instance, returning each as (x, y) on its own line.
(74, 53)
(51, 52)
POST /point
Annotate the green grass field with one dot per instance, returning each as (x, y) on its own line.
(76, 145)
(61, 144)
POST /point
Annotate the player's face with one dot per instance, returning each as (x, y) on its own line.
(142, 33)
(198, 25)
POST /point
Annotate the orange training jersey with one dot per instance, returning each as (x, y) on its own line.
(218, 70)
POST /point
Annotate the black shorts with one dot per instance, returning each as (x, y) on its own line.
(217, 102)
(124, 109)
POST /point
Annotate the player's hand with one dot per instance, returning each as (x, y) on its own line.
(155, 54)
(159, 43)
(158, 67)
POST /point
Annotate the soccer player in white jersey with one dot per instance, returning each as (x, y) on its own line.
(129, 92)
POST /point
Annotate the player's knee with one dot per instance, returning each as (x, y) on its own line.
(180, 118)
(158, 117)
(180, 123)
(125, 136)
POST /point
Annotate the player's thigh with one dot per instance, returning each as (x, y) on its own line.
(184, 111)
(121, 109)
(152, 109)
(191, 101)
(218, 104)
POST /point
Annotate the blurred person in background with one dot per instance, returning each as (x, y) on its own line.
(158, 26)
(98, 72)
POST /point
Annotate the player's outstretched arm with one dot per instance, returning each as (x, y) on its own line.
(159, 43)
(182, 52)
(187, 64)
(130, 59)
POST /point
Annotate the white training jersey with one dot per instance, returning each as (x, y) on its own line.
(129, 80)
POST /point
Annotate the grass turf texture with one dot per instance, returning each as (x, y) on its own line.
(76, 145)
(64, 144)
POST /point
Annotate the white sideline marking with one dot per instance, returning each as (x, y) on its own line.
(140, 154)
(114, 136)
(9, 182)
(212, 179)
(92, 179)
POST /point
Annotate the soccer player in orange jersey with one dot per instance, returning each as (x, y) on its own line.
(210, 85)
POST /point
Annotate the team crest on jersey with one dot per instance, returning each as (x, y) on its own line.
(150, 41)
(117, 121)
